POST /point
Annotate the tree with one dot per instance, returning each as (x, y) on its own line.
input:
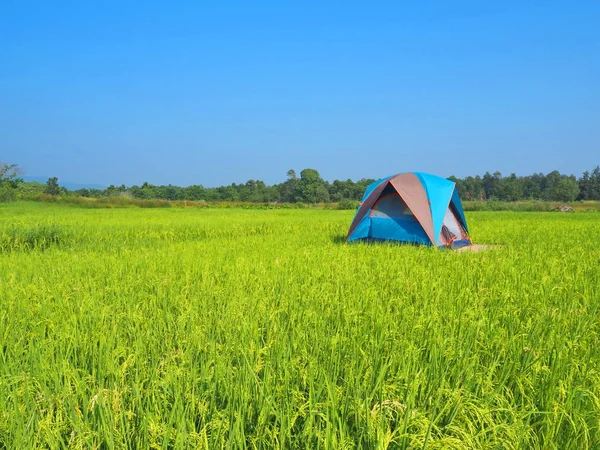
(551, 185)
(567, 189)
(227, 193)
(10, 175)
(560, 187)
(474, 188)
(584, 187)
(84, 192)
(490, 184)
(9, 181)
(311, 187)
(510, 188)
(533, 186)
(52, 187)
(288, 189)
(342, 190)
(171, 192)
(589, 185)
(195, 192)
(595, 184)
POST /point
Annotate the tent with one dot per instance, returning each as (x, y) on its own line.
(411, 207)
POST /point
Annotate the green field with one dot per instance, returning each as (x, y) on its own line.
(206, 328)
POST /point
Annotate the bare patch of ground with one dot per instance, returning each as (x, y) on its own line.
(477, 248)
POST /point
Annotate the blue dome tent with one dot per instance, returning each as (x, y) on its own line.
(412, 207)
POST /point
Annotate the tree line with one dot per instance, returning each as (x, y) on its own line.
(310, 187)
(553, 186)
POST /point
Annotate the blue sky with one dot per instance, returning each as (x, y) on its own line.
(206, 92)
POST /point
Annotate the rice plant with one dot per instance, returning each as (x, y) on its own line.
(230, 328)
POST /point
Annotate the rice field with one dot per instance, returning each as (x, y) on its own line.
(203, 328)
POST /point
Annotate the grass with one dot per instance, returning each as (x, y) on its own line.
(125, 201)
(229, 328)
(23, 238)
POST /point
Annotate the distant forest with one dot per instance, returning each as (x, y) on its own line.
(310, 187)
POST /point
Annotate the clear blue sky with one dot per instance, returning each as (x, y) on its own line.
(214, 92)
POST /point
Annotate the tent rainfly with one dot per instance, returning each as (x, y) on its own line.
(412, 207)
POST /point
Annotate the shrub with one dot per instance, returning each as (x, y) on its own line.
(348, 204)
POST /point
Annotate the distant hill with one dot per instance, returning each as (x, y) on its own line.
(68, 184)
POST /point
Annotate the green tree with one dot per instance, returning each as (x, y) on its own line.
(561, 187)
(490, 184)
(474, 188)
(84, 192)
(10, 175)
(253, 191)
(311, 187)
(10, 179)
(288, 189)
(510, 188)
(195, 192)
(227, 193)
(171, 192)
(593, 188)
(360, 187)
(533, 186)
(112, 191)
(52, 187)
(584, 187)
